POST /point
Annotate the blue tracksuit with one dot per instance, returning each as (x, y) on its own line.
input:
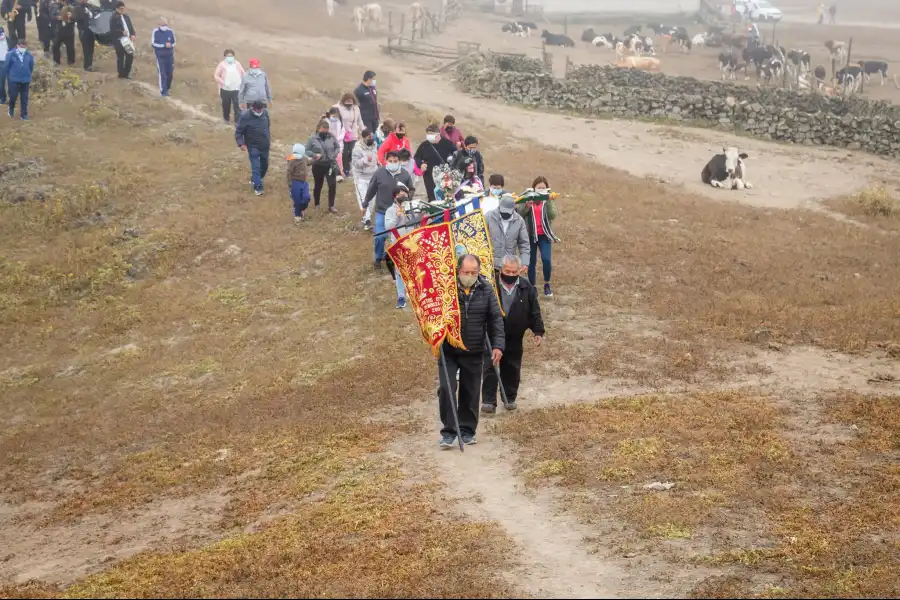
(165, 57)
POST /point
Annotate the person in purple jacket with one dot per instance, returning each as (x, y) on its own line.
(163, 41)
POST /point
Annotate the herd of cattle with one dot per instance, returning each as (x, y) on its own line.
(743, 51)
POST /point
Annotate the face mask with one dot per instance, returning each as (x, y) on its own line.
(258, 113)
(468, 281)
(393, 167)
(432, 137)
(509, 279)
(506, 216)
(229, 59)
(496, 192)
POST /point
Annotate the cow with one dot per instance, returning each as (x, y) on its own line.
(837, 50)
(601, 40)
(730, 65)
(849, 78)
(588, 35)
(799, 59)
(556, 39)
(726, 170)
(644, 63)
(870, 67)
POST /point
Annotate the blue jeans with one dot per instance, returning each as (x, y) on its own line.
(379, 239)
(259, 165)
(16, 91)
(2, 82)
(544, 244)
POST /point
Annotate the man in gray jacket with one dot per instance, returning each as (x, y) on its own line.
(255, 86)
(508, 232)
(381, 189)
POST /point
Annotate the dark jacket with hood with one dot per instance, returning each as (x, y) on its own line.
(253, 131)
(524, 313)
(479, 314)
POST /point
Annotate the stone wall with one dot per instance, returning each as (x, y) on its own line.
(768, 113)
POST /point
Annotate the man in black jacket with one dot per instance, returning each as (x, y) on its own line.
(479, 315)
(521, 310)
(83, 16)
(368, 102)
(120, 28)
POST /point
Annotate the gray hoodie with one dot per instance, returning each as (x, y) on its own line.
(255, 88)
(515, 237)
(381, 188)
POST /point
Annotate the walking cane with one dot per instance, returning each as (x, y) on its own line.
(487, 340)
(452, 397)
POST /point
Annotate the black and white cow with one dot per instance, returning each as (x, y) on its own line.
(870, 67)
(727, 170)
(557, 39)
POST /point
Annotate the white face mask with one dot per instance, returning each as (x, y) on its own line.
(432, 137)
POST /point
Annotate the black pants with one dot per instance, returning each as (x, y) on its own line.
(510, 374)
(88, 41)
(428, 177)
(229, 101)
(15, 30)
(347, 157)
(124, 60)
(469, 365)
(64, 35)
(320, 174)
(45, 32)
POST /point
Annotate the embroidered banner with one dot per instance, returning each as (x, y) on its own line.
(426, 263)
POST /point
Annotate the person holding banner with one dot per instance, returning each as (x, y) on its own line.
(522, 312)
(480, 316)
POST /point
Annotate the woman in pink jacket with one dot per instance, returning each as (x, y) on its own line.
(351, 119)
(229, 74)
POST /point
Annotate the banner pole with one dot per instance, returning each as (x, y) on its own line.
(452, 397)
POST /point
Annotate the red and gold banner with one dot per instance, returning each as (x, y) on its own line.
(426, 263)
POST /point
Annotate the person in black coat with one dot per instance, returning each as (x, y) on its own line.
(522, 312)
(120, 27)
(368, 101)
(480, 319)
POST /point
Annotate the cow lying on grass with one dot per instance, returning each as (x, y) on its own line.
(726, 170)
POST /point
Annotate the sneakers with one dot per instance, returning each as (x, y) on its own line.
(469, 440)
(510, 405)
(488, 409)
(447, 441)
(401, 303)
(548, 291)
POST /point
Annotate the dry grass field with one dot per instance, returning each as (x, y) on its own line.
(201, 399)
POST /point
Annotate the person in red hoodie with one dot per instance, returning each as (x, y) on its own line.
(395, 142)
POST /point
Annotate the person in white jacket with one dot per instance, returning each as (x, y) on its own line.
(229, 74)
(364, 163)
(352, 122)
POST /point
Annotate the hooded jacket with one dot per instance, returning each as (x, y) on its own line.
(328, 148)
(506, 243)
(255, 88)
(381, 188)
(253, 131)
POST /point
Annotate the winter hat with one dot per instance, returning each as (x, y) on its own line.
(298, 150)
(254, 63)
(507, 204)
